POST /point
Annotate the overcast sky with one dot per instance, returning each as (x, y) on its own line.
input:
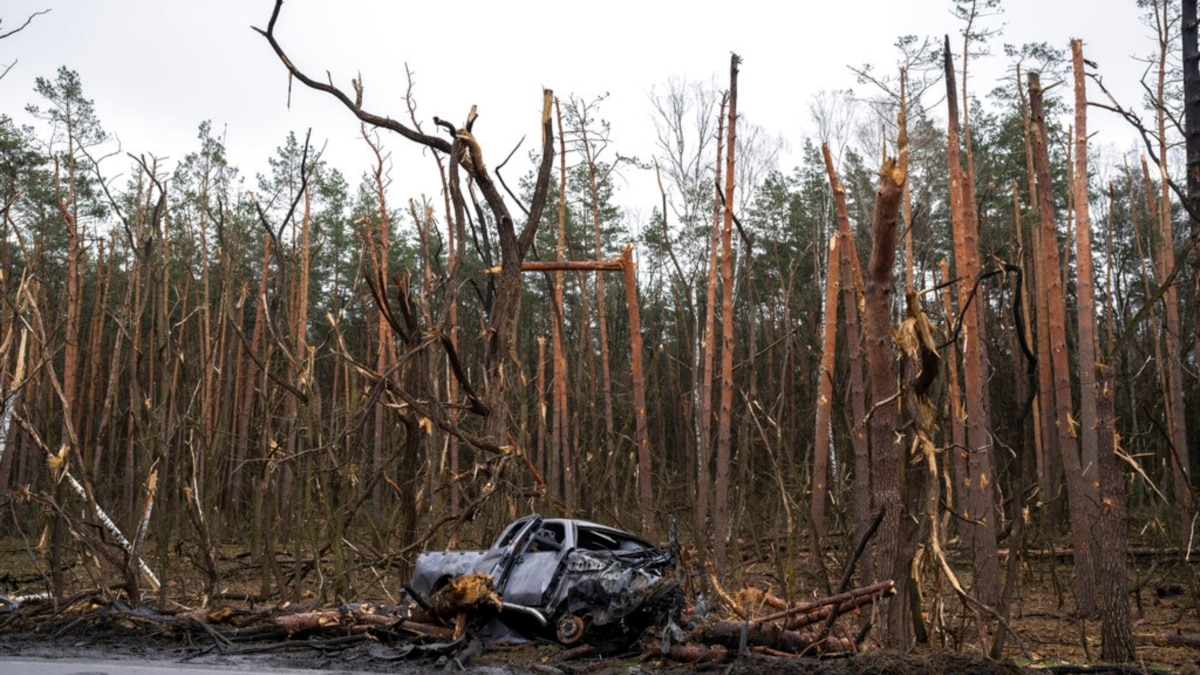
(157, 68)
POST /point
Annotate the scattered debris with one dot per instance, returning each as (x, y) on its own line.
(595, 590)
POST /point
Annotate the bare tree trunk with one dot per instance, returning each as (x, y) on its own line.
(825, 392)
(958, 432)
(1061, 378)
(1085, 291)
(1116, 629)
(725, 411)
(641, 433)
(906, 205)
(540, 458)
(708, 349)
(1026, 327)
(1177, 418)
(979, 487)
(889, 456)
(1049, 459)
(559, 439)
(851, 283)
(1084, 274)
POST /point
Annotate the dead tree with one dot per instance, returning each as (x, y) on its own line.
(851, 282)
(1084, 280)
(888, 456)
(825, 392)
(725, 411)
(465, 154)
(1060, 383)
(979, 490)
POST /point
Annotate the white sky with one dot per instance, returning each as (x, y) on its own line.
(157, 68)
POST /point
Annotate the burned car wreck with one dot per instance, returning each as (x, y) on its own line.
(570, 580)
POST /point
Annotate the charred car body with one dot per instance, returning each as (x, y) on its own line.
(567, 579)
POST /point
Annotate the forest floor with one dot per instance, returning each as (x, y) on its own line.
(1165, 606)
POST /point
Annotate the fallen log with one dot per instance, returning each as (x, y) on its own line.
(307, 621)
(827, 611)
(882, 589)
(758, 634)
(690, 654)
(1180, 639)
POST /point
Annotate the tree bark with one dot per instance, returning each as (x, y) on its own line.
(707, 347)
(641, 432)
(1173, 393)
(958, 431)
(1191, 133)
(1084, 281)
(1116, 629)
(1061, 377)
(981, 513)
(888, 455)
(825, 392)
(851, 282)
(560, 447)
(725, 411)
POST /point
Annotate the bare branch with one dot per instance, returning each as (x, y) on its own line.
(353, 104)
(22, 27)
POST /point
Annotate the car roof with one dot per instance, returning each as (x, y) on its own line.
(596, 526)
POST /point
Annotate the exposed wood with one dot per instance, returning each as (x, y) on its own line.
(1174, 403)
(825, 391)
(851, 283)
(707, 349)
(721, 533)
(613, 265)
(979, 490)
(1085, 580)
(641, 431)
(1084, 287)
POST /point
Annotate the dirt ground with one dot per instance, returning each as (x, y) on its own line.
(1164, 605)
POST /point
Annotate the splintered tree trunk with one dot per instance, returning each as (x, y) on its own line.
(1049, 459)
(979, 488)
(1116, 630)
(1025, 327)
(641, 432)
(725, 412)
(1084, 282)
(1060, 375)
(888, 455)
(906, 205)
(704, 416)
(851, 282)
(559, 443)
(825, 392)
(958, 432)
(1085, 289)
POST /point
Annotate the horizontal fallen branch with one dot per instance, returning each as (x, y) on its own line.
(758, 634)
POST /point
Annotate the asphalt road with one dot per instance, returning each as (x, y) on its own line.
(18, 666)
(89, 667)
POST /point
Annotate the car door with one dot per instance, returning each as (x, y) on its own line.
(536, 569)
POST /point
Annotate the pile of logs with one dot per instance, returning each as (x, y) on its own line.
(775, 627)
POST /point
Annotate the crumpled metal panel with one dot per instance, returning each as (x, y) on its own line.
(612, 583)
